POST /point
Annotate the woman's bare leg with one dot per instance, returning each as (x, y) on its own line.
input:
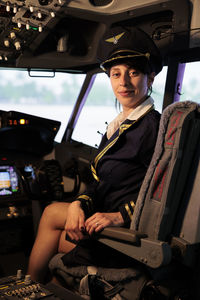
(48, 241)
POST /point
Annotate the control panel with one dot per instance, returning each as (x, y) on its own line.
(15, 287)
(24, 175)
(21, 286)
(8, 180)
(14, 212)
(21, 23)
(30, 28)
(64, 34)
(13, 196)
(22, 182)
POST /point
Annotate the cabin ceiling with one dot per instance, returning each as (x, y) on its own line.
(64, 34)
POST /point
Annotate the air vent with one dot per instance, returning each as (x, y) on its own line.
(100, 2)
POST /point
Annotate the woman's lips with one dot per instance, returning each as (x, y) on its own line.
(125, 93)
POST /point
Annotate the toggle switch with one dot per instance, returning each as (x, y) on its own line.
(15, 8)
(19, 24)
(40, 28)
(27, 25)
(39, 14)
(12, 35)
(17, 45)
(7, 6)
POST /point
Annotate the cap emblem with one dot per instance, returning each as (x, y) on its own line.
(115, 39)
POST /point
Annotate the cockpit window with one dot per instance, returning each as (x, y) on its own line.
(191, 83)
(159, 89)
(51, 98)
(100, 108)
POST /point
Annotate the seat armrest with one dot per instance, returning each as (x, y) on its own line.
(153, 253)
(123, 234)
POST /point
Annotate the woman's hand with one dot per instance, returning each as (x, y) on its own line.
(98, 221)
(75, 223)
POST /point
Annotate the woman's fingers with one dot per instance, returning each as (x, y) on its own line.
(98, 221)
(75, 234)
(75, 221)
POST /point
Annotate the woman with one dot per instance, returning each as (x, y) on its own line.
(131, 60)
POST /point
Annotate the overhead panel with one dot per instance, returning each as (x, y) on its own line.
(64, 34)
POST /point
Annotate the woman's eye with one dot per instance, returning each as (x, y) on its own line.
(133, 73)
(115, 74)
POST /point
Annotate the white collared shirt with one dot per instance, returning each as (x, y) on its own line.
(134, 115)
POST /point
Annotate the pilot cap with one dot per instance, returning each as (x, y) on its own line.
(120, 43)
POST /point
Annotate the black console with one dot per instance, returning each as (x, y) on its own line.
(15, 210)
(21, 286)
(25, 177)
(13, 202)
(26, 134)
(25, 185)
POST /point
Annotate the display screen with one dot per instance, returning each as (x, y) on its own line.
(9, 182)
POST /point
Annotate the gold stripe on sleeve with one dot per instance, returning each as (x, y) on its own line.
(128, 210)
(132, 204)
(85, 197)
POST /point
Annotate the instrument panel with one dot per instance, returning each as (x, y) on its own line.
(9, 183)
(59, 34)
(20, 24)
(24, 174)
(20, 183)
(20, 286)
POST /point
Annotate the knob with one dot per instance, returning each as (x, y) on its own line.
(27, 279)
(32, 295)
(19, 274)
(6, 43)
(16, 214)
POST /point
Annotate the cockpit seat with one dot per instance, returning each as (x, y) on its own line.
(164, 235)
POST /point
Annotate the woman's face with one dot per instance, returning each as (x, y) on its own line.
(129, 85)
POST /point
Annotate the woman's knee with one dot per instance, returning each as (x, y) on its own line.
(55, 214)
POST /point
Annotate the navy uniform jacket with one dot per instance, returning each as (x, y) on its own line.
(120, 166)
